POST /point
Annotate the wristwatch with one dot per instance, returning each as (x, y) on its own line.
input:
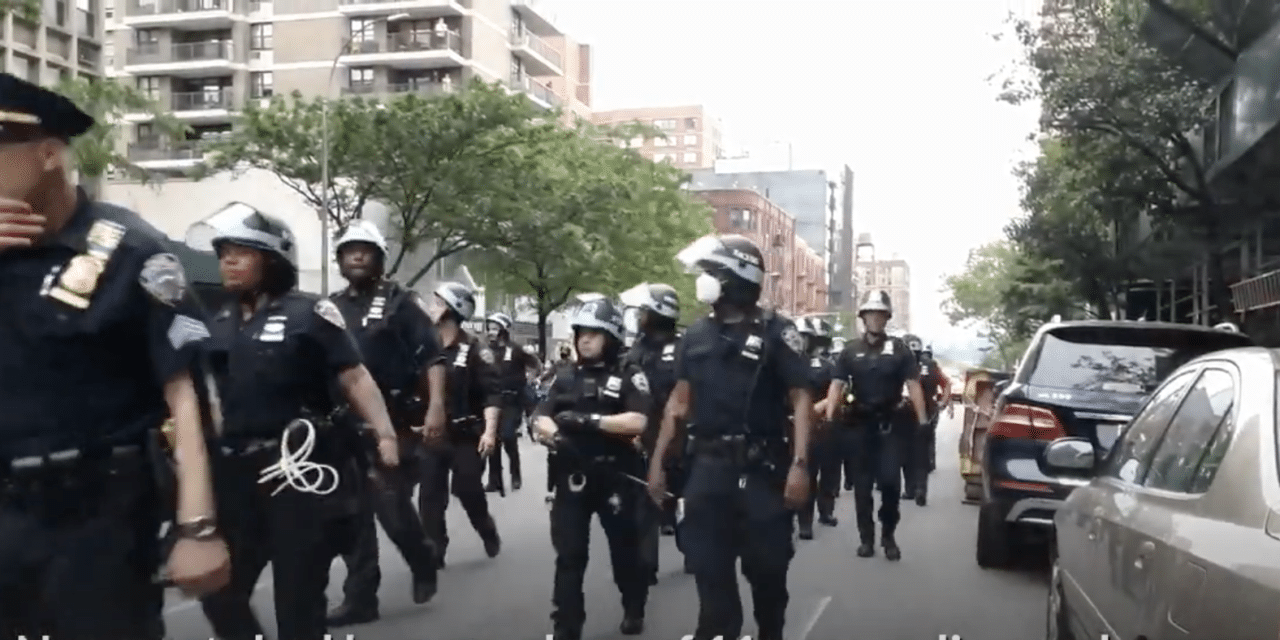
(202, 528)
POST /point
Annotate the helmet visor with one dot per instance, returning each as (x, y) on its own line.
(637, 296)
(701, 249)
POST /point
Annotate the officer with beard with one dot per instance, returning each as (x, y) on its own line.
(595, 409)
(514, 365)
(402, 352)
(825, 455)
(872, 370)
(654, 352)
(279, 355)
(473, 407)
(739, 375)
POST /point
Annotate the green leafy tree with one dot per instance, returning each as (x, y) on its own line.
(1097, 79)
(26, 9)
(108, 101)
(444, 167)
(598, 219)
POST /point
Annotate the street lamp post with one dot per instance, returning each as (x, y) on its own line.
(325, 200)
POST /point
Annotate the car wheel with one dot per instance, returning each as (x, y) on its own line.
(1057, 617)
(995, 539)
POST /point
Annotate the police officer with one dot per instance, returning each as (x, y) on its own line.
(873, 370)
(937, 392)
(514, 365)
(739, 373)
(595, 409)
(654, 352)
(288, 475)
(473, 404)
(100, 343)
(402, 352)
(824, 467)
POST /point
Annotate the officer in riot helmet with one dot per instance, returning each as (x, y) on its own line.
(595, 409)
(455, 458)
(288, 476)
(402, 352)
(937, 394)
(102, 339)
(514, 366)
(826, 447)
(654, 352)
(869, 377)
(740, 372)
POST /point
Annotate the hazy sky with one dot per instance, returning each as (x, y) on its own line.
(896, 89)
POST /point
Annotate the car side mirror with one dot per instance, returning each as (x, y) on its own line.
(1070, 454)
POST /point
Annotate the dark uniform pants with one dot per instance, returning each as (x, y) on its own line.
(730, 515)
(508, 441)
(460, 458)
(292, 530)
(653, 517)
(825, 455)
(877, 463)
(77, 561)
(616, 501)
(917, 457)
(389, 501)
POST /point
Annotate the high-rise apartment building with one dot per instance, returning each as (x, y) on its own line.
(203, 59)
(65, 43)
(872, 273)
(691, 138)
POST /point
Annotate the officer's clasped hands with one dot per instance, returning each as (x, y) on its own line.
(19, 226)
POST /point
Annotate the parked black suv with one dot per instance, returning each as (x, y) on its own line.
(1083, 379)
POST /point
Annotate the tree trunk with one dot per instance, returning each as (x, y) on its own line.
(542, 325)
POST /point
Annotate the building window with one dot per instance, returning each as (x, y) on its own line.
(260, 36)
(147, 37)
(691, 158)
(660, 141)
(362, 29)
(742, 219)
(691, 123)
(149, 86)
(261, 84)
(664, 157)
(361, 77)
(636, 143)
(665, 125)
(691, 141)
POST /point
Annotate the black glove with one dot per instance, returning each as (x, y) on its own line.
(576, 421)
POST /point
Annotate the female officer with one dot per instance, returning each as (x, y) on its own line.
(278, 353)
(595, 408)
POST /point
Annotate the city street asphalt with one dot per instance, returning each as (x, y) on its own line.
(935, 590)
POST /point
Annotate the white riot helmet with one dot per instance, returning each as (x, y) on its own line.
(240, 224)
(1227, 326)
(458, 297)
(659, 298)
(363, 231)
(503, 321)
(876, 300)
(599, 314)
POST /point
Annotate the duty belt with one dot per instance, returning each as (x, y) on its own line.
(739, 448)
(249, 446)
(882, 416)
(66, 459)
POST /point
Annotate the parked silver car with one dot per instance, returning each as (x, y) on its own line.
(1175, 533)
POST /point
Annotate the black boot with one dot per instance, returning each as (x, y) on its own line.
(806, 530)
(347, 614)
(868, 547)
(516, 483)
(566, 633)
(828, 519)
(667, 530)
(632, 620)
(492, 541)
(425, 587)
(922, 498)
(891, 550)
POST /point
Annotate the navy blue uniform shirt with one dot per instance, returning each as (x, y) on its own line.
(598, 388)
(471, 378)
(280, 363)
(875, 375)
(740, 375)
(95, 321)
(657, 358)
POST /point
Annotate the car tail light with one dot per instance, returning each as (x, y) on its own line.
(1026, 422)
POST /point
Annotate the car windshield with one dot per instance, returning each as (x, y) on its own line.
(1129, 360)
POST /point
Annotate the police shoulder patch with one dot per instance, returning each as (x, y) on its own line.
(793, 339)
(640, 382)
(329, 311)
(163, 277)
(486, 354)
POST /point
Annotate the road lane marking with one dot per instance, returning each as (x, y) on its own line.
(813, 619)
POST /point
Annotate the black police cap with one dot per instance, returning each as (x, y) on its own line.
(27, 109)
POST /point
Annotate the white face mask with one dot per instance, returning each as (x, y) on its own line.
(707, 289)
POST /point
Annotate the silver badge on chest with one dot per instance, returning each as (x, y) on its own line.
(273, 330)
(753, 347)
(612, 387)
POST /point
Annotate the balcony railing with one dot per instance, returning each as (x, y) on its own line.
(535, 44)
(150, 151)
(535, 89)
(201, 100)
(420, 87)
(411, 41)
(158, 7)
(155, 53)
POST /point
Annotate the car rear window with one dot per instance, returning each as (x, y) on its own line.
(1131, 360)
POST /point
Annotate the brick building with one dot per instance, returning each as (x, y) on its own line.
(795, 283)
